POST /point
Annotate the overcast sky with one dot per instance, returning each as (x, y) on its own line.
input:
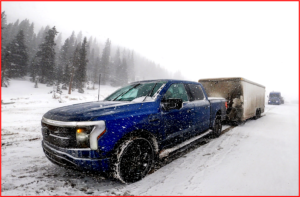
(254, 40)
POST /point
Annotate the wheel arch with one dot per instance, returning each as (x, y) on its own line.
(218, 114)
(140, 133)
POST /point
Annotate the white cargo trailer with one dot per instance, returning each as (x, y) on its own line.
(246, 99)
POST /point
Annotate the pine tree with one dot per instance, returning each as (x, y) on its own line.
(105, 61)
(3, 20)
(80, 74)
(47, 28)
(46, 54)
(96, 72)
(58, 41)
(4, 70)
(3, 36)
(28, 30)
(91, 64)
(124, 71)
(34, 69)
(117, 66)
(75, 65)
(39, 37)
(14, 31)
(79, 37)
(132, 70)
(17, 63)
(30, 41)
(72, 45)
(64, 63)
(66, 77)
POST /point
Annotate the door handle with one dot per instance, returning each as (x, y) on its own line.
(189, 111)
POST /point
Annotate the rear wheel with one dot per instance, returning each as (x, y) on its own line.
(217, 129)
(134, 160)
(258, 114)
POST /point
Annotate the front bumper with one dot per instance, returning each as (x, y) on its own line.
(273, 103)
(81, 159)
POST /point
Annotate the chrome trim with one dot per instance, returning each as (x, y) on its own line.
(70, 124)
(97, 130)
(66, 154)
(51, 159)
(66, 138)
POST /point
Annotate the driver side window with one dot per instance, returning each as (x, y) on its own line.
(177, 91)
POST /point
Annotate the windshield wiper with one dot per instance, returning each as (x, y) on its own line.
(150, 92)
(126, 91)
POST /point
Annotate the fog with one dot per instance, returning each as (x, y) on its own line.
(254, 40)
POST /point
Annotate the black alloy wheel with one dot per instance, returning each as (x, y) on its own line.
(136, 160)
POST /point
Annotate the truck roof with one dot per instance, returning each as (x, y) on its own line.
(230, 79)
(168, 80)
(274, 92)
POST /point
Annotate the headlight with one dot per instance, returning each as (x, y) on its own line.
(276, 101)
(88, 136)
(82, 137)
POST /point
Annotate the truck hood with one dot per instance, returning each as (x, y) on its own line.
(91, 110)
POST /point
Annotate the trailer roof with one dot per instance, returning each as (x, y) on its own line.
(230, 79)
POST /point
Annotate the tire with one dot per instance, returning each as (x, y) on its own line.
(217, 129)
(133, 160)
(258, 114)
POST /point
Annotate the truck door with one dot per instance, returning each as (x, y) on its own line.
(177, 122)
(202, 107)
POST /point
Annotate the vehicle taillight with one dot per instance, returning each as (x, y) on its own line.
(226, 104)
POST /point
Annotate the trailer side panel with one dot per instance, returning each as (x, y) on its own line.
(254, 99)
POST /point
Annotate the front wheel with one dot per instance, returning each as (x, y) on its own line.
(134, 160)
(217, 129)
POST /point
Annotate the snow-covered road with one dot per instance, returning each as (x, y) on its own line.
(260, 157)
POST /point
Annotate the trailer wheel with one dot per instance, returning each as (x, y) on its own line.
(217, 129)
(258, 114)
(133, 160)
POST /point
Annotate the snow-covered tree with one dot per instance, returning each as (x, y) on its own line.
(18, 58)
(105, 62)
(64, 62)
(46, 57)
(116, 81)
(80, 72)
(75, 65)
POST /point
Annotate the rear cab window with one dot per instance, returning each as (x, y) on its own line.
(195, 91)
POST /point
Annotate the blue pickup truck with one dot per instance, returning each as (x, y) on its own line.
(125, 133)
(275, 98)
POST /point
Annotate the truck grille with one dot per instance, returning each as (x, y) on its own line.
(60, 136)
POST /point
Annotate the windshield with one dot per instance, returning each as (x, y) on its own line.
(135, 91)
(275, 95)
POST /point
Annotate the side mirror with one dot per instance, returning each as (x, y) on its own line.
(172, 104)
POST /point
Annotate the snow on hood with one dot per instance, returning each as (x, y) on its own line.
(90, 110)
